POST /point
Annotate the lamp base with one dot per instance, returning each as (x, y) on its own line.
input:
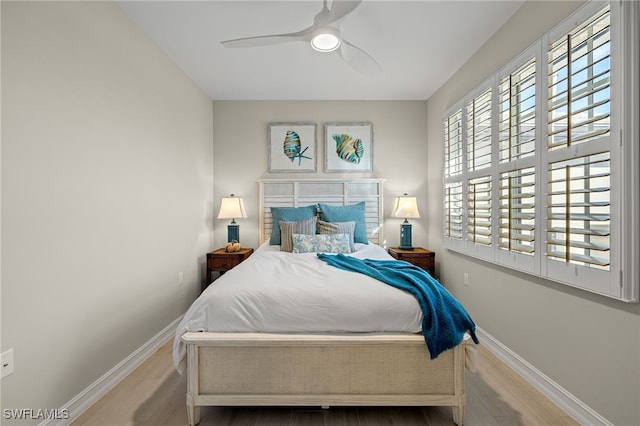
(405, 236)
(233, 233)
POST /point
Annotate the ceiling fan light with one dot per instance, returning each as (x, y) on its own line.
(325, 42)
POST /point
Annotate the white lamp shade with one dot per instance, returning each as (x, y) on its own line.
(406, 207)
(232, 208)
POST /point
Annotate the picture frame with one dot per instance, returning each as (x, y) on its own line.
(292, 147)
(348, 147)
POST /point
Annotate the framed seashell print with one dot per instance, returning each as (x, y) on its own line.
(292, 147)
(348, 147)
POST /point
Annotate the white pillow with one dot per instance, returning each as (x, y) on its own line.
(321, 243)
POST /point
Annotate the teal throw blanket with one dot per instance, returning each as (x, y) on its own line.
(444, 319)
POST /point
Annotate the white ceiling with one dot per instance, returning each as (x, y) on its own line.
(419, 44)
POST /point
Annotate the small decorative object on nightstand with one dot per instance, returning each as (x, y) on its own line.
(418, 256)
(221, 261)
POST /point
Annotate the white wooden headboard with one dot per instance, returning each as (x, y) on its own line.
(339, 192)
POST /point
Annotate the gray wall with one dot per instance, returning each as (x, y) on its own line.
(588, 344)
(241, 154)
(107, 193)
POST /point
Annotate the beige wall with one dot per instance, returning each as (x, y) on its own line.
(240, 148)
(107, 193)
(588, 344)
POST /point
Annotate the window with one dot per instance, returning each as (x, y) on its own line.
(540, 192)
(517, 160)
(478, 144)
(453, 167)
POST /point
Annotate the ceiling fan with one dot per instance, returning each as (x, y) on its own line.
(324, 36)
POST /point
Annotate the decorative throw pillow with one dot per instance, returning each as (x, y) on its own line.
(321, 243)
(355, 213)
(338, 228)
(288, 214)
(287, 229)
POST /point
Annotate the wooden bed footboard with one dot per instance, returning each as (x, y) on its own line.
(253, 369)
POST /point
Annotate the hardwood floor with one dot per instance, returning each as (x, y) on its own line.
(154, 394)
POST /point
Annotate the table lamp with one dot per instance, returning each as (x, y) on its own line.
(405, 207)
(232, 207)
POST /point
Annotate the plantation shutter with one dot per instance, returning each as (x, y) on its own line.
(479, 132)
(517, 211)
(517, 164)
(517, 113)
(541, 160)
(579, 198)
(579, 84)
(453, 211)
(453, 160)
(479, 210)
(453, 144)
(579, 211)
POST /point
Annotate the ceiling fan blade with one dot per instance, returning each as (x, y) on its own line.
(267, 40)
(358, 59)
(322, 18)
(340, 9)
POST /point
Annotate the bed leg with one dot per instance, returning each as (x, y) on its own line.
(458, 415)
(193, 411)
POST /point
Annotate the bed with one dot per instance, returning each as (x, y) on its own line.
(368, 348)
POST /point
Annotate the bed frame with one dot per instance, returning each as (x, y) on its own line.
(381, 369)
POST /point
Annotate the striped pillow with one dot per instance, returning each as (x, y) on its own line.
(338, 228)
(287, 229)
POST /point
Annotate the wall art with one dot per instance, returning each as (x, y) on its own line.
(292, 147)
(348, 147)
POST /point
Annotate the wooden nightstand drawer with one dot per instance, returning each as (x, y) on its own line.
(423, 258)
(221, 261)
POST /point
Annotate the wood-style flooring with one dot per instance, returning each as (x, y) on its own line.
(154, 394)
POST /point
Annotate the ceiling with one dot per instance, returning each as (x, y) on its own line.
(419, 44)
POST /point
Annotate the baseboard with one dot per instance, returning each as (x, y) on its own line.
(578, 410)
(85, 399)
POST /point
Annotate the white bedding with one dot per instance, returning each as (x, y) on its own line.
(280, 292)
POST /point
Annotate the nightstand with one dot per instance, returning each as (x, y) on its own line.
(222, 261)
(423, 258)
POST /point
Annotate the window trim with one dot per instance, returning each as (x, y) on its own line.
(629, 23)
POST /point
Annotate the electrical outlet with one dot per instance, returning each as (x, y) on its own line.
(7, 362)
(466, 279)
(180, 279)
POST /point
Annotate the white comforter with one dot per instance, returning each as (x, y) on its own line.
(280, 292)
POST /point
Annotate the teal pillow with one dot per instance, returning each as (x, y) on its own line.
(288, 214)
(355, 213)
